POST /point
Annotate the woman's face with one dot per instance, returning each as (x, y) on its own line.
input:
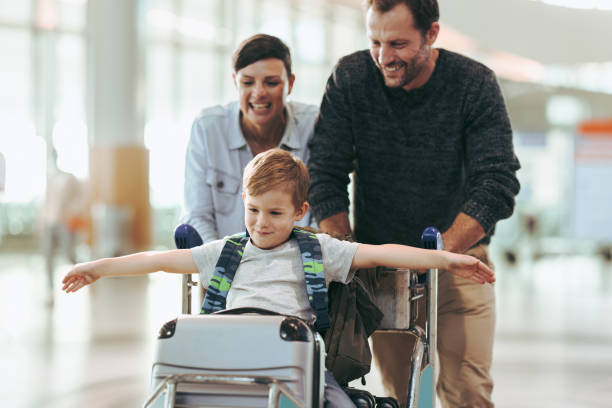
(263, 88)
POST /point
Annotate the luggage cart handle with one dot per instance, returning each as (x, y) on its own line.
(432, 239)
(186, 237)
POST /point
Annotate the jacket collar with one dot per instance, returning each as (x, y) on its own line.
(236, 138)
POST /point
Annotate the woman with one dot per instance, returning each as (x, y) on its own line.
(225, 138)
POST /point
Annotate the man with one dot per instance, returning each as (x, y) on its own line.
(427, 134)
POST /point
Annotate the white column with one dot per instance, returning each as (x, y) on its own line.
(119, 162)
(115, 108)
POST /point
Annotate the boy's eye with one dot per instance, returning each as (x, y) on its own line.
(275, 212)
(253, 210)
(273, 83)
(247, 83)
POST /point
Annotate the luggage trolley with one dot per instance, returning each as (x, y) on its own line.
(409, 303)
(252, 357)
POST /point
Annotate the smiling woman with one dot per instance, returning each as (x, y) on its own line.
(263, 87)
(225, 138)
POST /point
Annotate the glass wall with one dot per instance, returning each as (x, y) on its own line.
(42, 102)
(187, 48)
(189, 44)
(186, 66)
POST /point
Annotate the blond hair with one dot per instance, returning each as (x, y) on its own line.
(277, 169)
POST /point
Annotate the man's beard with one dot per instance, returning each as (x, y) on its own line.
(411, 68)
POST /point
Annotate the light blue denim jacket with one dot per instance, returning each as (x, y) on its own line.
(217, 154)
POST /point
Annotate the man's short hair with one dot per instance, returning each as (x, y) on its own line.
(259, 47)
(277, 169)
(425, 12)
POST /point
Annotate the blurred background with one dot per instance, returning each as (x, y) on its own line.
(96, 103)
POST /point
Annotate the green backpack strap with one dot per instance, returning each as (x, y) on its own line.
(312, 262)
(223, 275)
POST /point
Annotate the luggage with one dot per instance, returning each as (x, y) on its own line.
(225, 360)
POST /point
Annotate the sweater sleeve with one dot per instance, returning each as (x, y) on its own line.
(491, 164)
(331, 150)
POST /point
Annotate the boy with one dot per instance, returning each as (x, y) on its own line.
(270, 274)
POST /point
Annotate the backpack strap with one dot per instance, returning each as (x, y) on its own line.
(312, 262)
(223, 275)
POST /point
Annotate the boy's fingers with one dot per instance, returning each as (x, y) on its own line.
(72, 274)
(69, 280)
(74, 287)
(483, 266)
(73, 284)
(486, 276)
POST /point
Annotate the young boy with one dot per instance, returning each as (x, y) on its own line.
(270, 274)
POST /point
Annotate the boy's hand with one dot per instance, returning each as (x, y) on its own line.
(81, 275)
(471, 268)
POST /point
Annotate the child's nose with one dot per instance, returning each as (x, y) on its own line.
(262, 219)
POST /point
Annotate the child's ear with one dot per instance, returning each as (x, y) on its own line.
(243, 196)
(301, 212)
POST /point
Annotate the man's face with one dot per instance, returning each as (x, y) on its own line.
(269, 217)
(263, 88)
(399, 49)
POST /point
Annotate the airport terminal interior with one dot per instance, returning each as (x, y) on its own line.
(105, 91)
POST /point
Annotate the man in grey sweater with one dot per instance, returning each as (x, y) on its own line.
(428, 137)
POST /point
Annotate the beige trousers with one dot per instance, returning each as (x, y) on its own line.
(466, 325)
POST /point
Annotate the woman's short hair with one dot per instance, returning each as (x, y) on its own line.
(277, 169)
(259, 47)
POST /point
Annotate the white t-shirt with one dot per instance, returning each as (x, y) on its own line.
(274, 279)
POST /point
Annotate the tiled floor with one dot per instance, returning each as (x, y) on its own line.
(93, 348)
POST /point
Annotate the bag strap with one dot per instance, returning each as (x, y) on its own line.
(223, 275)
(312, 263)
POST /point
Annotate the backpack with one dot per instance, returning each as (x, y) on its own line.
(354, 317)
(312, 262)
(346, 314)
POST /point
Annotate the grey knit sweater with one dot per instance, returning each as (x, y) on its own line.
(420, 157)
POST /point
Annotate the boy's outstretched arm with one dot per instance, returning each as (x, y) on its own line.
(174, 261)
(402, 256)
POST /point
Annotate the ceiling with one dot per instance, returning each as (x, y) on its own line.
(547, 34)
(519, 39)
